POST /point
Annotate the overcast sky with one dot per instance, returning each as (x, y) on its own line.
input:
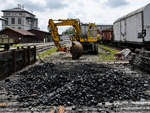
(97, 11)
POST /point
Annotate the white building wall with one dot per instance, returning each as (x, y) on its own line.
(24, 23)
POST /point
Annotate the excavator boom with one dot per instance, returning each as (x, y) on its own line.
(54, 32)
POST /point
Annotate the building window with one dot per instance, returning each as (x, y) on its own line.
(7, 14)
(19, 27)
(19, 20)
(20, 13)
(14, 14)
(12, 20)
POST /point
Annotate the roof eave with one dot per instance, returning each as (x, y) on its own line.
(17, 11)
(39, 31)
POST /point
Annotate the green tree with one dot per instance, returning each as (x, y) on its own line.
(68, 31)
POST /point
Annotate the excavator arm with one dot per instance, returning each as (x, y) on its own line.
(68, 22)
(54, 32)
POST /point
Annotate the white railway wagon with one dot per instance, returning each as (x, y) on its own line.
(134, 27)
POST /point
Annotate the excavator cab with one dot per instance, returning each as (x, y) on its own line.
(89, 38)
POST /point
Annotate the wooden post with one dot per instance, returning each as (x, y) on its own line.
(25, 57)
(29, 54)
(34, 53)
(14, 60)
(18, 48)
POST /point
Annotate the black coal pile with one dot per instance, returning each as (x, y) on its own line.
(81, 84)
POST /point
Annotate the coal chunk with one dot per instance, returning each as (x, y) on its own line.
(82, 84)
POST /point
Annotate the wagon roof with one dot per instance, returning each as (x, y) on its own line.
(132, 13)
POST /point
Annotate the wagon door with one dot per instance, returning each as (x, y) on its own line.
(139, 24)
(123, 30)
(134, 27)
(116, 29)
(147, 22)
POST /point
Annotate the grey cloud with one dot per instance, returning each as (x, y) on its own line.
(5, 4)
(31, 6)
(50, 4)
(55, 4)
(70, 15)
(116, 3)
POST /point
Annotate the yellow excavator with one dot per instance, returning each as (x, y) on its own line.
(84, 38)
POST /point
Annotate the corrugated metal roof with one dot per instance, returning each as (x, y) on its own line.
(132, 13)
(21, 31)
(17, 10)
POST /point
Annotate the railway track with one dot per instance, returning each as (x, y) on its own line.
(42, 48)
(39, 46)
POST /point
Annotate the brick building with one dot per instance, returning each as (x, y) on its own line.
(41, 36)
(24, 36)
(19, 35)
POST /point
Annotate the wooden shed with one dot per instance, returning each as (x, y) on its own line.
(19, 35)
(41, 36)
